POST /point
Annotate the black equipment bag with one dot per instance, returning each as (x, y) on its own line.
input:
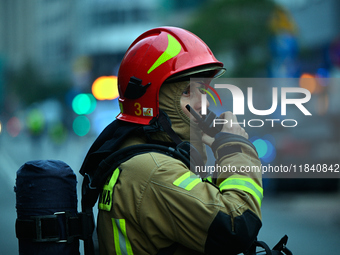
(46, 202)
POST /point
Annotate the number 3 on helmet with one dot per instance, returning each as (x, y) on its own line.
(159, 55)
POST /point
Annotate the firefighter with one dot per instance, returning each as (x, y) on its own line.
(153, 203)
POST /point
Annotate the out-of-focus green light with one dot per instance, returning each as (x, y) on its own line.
(81, 125)
(265, 147)
(261, 147)
(84, 104)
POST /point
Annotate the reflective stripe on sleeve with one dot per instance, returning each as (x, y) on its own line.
(187, 181)
(105, 198)
(245, 184)
(121, 241)
(209, 179)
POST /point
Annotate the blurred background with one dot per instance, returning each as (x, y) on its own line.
(59, 60)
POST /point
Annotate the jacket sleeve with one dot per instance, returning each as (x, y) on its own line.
(238, 172)
(208, 218)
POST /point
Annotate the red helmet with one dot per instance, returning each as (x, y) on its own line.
(159, 55)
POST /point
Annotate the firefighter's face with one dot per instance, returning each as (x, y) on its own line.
(192, 96)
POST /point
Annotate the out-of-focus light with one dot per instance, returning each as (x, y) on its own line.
(84, 104)
(265, 148)
(261, 147)
(81, 125)
(0, 127)
(13, 126)
(308, 81)
(35, 122)
(322, 73)
(105, 88)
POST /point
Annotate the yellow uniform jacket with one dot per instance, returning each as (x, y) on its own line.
(153, 201)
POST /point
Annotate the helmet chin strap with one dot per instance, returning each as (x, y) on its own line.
(185, 148)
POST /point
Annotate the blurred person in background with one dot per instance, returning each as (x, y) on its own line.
(152, 203)
(35, 122)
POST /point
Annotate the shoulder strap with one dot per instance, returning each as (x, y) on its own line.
(109, 164)
(93, 183)
(165, 124)
(106, 143)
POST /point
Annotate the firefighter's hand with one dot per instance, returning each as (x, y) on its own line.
(231, 126)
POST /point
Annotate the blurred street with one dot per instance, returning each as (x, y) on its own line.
(311, 221)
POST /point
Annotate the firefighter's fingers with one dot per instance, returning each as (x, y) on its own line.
(232, 125)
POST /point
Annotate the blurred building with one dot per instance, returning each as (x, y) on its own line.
(317, 24)
(52, 35)
(317, 20)
(38, 32)
(106, 29)
(63, 42)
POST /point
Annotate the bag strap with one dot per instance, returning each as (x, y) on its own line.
(281, 246)
(279, 249)
(60, 227)
(109, 164)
